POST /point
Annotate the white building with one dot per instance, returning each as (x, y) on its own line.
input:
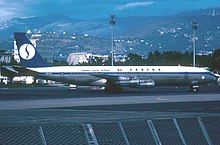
(76, 58)
(4, 80)
(23, 79)
(5, 57)
(104, 57)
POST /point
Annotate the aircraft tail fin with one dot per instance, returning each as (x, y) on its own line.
(29, 56)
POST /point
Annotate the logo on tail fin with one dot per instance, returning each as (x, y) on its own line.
(27, 51)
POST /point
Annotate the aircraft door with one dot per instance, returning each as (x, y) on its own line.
(186, 76)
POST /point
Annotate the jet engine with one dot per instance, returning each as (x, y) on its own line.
(136, 82)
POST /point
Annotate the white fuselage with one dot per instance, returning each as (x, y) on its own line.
(98, 75)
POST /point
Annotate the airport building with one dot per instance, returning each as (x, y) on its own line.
(5, 57)
(84, 57)
(76, 58)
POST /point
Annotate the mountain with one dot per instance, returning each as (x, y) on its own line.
(23, 24)
(132, 34)
(201, 12)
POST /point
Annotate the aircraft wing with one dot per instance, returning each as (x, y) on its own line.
(127, 81)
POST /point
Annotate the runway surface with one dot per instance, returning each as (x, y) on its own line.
(25, 106)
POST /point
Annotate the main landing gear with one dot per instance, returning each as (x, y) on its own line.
(194, 88)
(114, 89)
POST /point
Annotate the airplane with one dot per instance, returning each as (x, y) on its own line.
(113, 78)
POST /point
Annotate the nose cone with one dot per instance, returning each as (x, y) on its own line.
(218, 79)
(210, 78)
(214, 78)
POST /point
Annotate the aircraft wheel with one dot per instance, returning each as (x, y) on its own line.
(194, 89)
(114, 90)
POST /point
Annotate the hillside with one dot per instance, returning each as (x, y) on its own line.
(132, 34)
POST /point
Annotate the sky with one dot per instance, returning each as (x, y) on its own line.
(96, 9)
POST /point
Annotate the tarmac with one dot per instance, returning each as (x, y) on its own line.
(33, 106)
(61, 115)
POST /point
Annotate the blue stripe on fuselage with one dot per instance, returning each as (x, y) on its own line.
(121, 73)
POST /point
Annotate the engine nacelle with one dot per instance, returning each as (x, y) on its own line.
(147, 83)
(136, 82)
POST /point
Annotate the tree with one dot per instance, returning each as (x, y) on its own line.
(59, 62)
(134, 59)
(150, 59)
(108, 62)
(215, 62)
(157, 57)
(99, 60)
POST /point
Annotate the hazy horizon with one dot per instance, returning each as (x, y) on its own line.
(96, 9)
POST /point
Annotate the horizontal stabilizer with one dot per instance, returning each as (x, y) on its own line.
(22, 71)
(8, 71)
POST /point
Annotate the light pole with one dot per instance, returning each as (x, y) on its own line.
(194, 28)
(112, 23)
